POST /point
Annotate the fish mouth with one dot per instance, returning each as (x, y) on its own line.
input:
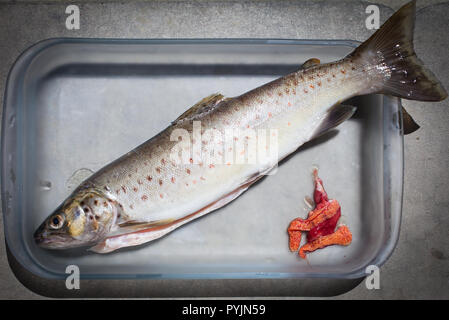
(50, 243)
(44, 240)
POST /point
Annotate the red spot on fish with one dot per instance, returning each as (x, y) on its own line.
(161, 195)
(117, 191)
(96, 202)
(139, 181)
(135, 189)
(305, 91)
(295, 82)
(260, 101)
(202, 178)
(211, 166)
(144, 197)
(269, 114)
(287, 90)
(312, 86)
(289, 124)
(319, 84)
(172, 179)
(247, 126)
(129, 175)
(289, 104)
(163, 162)
(328, 80)
(124, 189)
(191, 160)
(236, 139)
(188, 171)
(131, 206)
(333, 76)
(352, 68)
(194, 181)
(343, 71)
(160, 182)
(149, 178)
(294, 91)
(280, 94)
(158, 170)
(105, 204)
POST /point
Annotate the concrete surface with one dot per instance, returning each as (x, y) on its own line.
(419, 266)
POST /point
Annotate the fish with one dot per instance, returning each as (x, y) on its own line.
(170, 180)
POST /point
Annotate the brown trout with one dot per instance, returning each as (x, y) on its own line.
(149, 192)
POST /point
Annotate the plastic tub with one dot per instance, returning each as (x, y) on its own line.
(74, 105)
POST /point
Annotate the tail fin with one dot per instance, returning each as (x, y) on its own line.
(390, 50)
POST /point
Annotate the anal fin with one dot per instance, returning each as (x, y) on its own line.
(335, 116)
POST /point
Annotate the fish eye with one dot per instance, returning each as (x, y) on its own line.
(56, 221)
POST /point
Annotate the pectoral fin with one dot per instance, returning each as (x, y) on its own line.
(137, 225)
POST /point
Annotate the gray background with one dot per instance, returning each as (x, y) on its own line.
(419, 266)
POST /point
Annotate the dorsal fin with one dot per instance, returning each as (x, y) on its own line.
(205, 104)
(310, 63)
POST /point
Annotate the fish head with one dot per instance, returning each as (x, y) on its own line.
(84, 218)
